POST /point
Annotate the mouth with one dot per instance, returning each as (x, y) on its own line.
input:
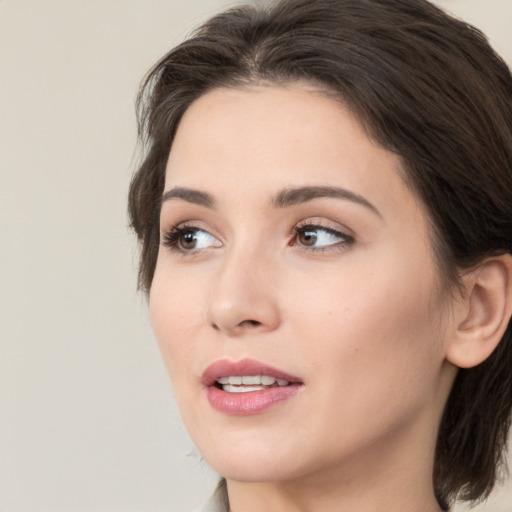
(249, 383)
(247, 386)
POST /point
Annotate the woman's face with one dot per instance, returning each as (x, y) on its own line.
(293, 253)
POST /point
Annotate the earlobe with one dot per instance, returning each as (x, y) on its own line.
(482, 316)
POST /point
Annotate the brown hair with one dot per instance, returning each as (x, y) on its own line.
(425, 86)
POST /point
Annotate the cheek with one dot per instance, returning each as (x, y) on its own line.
(373, 355)
(174, 310)
(377, 325)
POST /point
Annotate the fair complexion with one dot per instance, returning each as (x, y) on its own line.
(290, 238)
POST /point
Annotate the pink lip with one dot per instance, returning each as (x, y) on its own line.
(226, 368)
(246, 403)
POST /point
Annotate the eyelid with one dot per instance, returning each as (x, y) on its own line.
(345, 235)
(169, 237)
(328, 225)
(166, 227)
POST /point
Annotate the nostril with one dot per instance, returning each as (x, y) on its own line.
(250, 323)
(238, 328)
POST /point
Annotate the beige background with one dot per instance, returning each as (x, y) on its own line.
(87, 422)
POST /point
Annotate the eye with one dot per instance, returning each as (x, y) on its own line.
(320, 237)
(189, 239)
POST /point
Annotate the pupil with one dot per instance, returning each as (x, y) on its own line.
(188, 240)
(308, 238)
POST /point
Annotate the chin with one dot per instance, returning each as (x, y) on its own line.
(252, 462)
(254, 471)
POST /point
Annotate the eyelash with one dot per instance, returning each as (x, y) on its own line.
(346, 240)
(171, 238)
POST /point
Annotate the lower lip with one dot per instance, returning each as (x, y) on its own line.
(252, 402)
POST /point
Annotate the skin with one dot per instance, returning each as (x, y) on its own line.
(360, 317)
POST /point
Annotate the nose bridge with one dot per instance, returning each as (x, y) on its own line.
(243, 294)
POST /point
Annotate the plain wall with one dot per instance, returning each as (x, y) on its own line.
(87, 419)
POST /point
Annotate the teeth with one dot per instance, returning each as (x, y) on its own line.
(241, 389)
(251, 379)
(247, 383)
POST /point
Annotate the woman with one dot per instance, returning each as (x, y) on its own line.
(325, 216)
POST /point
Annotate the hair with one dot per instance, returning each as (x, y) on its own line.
(425, 86)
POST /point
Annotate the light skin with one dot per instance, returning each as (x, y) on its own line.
(296, 242)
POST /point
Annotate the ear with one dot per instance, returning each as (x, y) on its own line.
(482, 315)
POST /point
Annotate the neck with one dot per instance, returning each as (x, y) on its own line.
(309, 496)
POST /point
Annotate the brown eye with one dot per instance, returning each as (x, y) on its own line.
(307, 237)
(188, 240)
(321, 238)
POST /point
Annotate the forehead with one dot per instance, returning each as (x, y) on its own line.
(272, 127)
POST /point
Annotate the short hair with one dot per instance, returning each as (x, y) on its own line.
(425, 86)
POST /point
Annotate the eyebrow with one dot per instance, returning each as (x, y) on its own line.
(284, 199)
(190, 195)
(293, 196)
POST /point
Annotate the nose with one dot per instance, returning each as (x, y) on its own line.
(244, 296)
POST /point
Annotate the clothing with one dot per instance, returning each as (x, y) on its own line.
(219, 501)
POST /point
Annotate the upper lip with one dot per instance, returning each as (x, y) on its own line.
(227, 368)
